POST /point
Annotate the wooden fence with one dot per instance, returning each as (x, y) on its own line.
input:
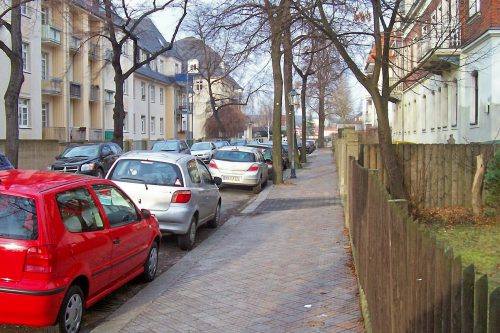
(411, 283)
(435, 175)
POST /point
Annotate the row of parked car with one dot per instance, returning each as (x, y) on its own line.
(67, 240)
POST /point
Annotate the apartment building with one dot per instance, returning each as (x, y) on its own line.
(68, 92)
(456, 99)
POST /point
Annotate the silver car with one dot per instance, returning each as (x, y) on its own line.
(203, 150)
(177, 188)
(240, 165)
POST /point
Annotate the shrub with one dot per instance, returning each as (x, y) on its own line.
(492, 183)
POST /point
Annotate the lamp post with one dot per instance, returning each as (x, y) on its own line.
(292, 97)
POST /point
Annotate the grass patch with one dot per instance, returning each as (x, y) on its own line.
(478, 244)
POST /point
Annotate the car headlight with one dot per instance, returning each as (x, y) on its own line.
(49, 168)
(87, 167)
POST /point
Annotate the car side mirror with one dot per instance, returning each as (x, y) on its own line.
(146, 213)
(58, 157)
(217, 181)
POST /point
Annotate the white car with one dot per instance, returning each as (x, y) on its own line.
(203, 150)
(177, 188)
(241, 166)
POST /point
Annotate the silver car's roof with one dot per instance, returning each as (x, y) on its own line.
(241, 148)
(161, 156)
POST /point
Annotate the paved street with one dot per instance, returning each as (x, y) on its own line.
(279, 266)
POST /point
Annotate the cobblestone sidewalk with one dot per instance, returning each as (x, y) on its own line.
(282, 267)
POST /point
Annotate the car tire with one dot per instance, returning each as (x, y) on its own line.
(71, 311)
(257, 188)
(99, 173)
(186, 241)
(151, 264)
(214, 223)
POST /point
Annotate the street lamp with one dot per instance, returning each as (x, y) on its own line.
(292, 101)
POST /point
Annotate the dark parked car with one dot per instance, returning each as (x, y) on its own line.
(5, 163)
(93, 159)
(173, 146)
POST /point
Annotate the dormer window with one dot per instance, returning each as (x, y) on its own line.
(193, 66)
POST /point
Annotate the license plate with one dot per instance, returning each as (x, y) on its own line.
(231, 178)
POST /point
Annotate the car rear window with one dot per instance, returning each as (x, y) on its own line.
(18, 217)
(234, 156)
(165, 146)
(148, 172)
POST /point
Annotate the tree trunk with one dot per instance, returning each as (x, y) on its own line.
(387, 150)
(303, 90)
(118, 110)
(321, 111)
(288, 82)
(11, 97)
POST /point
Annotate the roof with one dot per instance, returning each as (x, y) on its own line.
(240, 148)
(155, 156)
(148, 72)
(31, 182)
(150, 38)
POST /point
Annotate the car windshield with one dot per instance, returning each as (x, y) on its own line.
(81, 151)
(201, 146)
(238, 142)
(165, 146)
(147, 172)
(220, 144)
(234, 156)
(18, 217)
(4, 163)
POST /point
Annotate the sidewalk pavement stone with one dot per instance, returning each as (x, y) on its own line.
(282, 267)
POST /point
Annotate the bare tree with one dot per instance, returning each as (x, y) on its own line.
(123, 25)
(233, 119)
(16, 78)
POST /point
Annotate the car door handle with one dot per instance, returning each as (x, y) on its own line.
(116, 241)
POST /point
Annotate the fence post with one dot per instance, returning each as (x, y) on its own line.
(468, 278)
(494, 325)
(481, 305)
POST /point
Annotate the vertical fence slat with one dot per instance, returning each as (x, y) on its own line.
(468, 278)
(431, 285)
(481, 305)
(494, 322)
(454, 175)
(448, 258)
(438, 294)
(456, 294)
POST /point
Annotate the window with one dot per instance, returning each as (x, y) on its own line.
(193, 172)
(152, 65)
(78, 210)
(143, 90)
(18, 217)
(25, 10)
(125, 49)
(152, 90)
(44, 15)
(133, 123)
(45, 65)
(125, 87)
(433, 110)
(162, 66)
(162, 124)
(474, 7)
(125, 122)
(193, 67)
(199, 85)
(143, 124)
(26, 56)
(162, 98)
(108, 96)
(24, 112)
(177, 68)
(152, 125)
(118, 208)
(424, 113)
(142, 55)
(454, 106)
(205, 174)
(475, 99)
(45, 114)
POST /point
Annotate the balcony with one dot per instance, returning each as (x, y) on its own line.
(108, 55)
(94, 93)
(54, 133)
(75, 44)
(75, 90)
(94, 51)
(78, 134)
(51, 35)
(52, 86)
(96, 135)
(397, 92)
(444, 58)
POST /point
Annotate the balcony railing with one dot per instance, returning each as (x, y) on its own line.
(78, 134)
(75, 90)
(94, 93)
(54, 133)
(52, 86)
(51, 34)
(96, 135)
(74, 44)
(397, 92)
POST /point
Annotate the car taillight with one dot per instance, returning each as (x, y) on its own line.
(181, 196)
(254, 167)
(213, 165)
(269, 162)
(39, 259)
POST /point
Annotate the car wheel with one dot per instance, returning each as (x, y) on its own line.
(214, 223)
(99, 173)
(186, 241)
(256, 189)
(71, 312)
(151, 264)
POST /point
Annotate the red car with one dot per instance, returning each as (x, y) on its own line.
(66, 241)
